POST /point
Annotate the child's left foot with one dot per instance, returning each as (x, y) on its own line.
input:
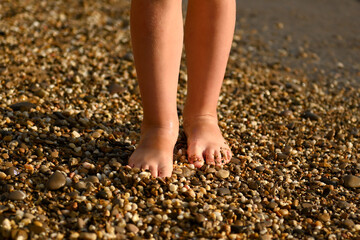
(205, 141)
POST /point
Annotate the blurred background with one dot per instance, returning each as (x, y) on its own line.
(320, 35)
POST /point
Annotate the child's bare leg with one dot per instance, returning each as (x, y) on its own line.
(209, 31)
(157, 37)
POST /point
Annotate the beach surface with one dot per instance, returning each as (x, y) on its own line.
(70, 115)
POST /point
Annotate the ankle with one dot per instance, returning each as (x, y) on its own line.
(189, 119)
(171, 126)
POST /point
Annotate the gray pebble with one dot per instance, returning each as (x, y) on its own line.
(222, 173)
(223, 191)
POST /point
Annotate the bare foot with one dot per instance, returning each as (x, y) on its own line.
(205, 141)
(155, 151)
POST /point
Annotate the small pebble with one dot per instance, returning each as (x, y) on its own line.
(87, 236)
(222, 173)
(325, 217)
(17, 195)
(349, 223)
(56, 181)
(22, 106)
(132, 228)
(12, 171)
(351, 181)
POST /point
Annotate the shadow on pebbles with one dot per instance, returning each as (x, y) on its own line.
(70, 114)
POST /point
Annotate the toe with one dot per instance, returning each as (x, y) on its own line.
(229, 156)
(218, 157)
(209, 156)
(165, 171)
(195, 157)
(144, 167)
(154, 171)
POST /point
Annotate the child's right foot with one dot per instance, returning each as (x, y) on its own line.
(155, 151)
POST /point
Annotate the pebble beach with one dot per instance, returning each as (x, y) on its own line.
(70, 115)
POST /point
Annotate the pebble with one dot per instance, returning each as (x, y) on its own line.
(311, 115)
(96, 134)
(115, 88)
(200, 218)
(17, 195)
(222, 173)
(254, 185)
(92, 179)
(22, 106)
(351, 181)
(260, 168)
(266, 237)
(223, 191)
(143, 175)
(75, 134)
(286, 176)
(349, 223)
(56, 180)
(6, 225)
(2, 175)
(186, 172)
(36, 228)
(272, 205)
(80, 186)
(87, 236)
(173, 187)
(12, 171)
(132, 228)
(284, 212)
(20, 234)
(344, 204)
(307, 205)
(325, 217)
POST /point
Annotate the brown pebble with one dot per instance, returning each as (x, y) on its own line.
(132, 228)
(92, 179)
(2, 175)
(349, 223)
(88, 236)
(351, 181)
(311, 115)
(115, 88)
(20, 234)
(284, 212)
(200, 218)
(12, 171)
(22, 106)
(34, 228)
(56, 181)
(17, 195)
(325, 217)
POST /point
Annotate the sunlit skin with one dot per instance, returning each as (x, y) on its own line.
(157, 37)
